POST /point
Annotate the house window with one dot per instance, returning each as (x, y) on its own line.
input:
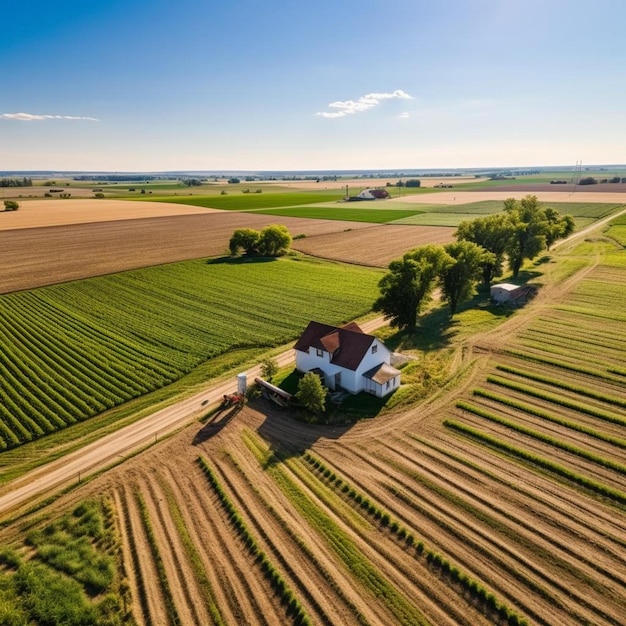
(374, 349)
(387, 384)
(319, 352)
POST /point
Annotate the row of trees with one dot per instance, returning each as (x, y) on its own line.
(16, 182)
(273, 240)
(520, 232)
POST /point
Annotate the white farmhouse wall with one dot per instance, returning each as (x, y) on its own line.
(352, 381)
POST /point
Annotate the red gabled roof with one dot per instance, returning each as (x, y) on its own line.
(347, 345)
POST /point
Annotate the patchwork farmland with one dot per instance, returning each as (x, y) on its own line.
(499, 501)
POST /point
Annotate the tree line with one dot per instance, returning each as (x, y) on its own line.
(519, 233)
(16, 182)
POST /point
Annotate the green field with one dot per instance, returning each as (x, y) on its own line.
(362, 212)
(74, 350)
(252, 201)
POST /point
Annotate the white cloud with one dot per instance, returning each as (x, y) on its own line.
(404, 116)
(364, 103)
(30, 117)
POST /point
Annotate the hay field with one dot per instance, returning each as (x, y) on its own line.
(363, 183)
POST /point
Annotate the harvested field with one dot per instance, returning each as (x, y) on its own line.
(35, 257)
(376, 245)
(41, 213)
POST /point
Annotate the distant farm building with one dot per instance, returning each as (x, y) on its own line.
(347, 359)
(370, 194)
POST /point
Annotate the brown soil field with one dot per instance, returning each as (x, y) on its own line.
(377, 245)
(34, 257)
(41, 213)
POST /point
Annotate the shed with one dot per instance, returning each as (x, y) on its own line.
(504, 292)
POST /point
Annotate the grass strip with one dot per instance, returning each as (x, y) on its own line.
(174, 617)
(294, 607)
(591, 485)
(529, 432)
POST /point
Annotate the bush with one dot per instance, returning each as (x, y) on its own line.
(11, 205)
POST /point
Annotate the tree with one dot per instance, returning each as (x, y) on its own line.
(274, 240)
(269, 368)
(458, 279)
(492, 232)
(408, 285)
(11, 205)
(530, 227)
(559, 226)
(243, 238)
(311, 393)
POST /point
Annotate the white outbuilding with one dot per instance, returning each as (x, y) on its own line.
(504, 292)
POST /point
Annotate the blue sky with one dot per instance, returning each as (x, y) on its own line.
(153, 85)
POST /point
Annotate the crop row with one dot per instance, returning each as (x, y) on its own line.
(158, 562)
(437, 562)
(531, 410)
(71, 351)
(538, 461)
(557, 399)
(194, 557)
(561, 384)
(293, 606)
(338, 540)
(529, 432)
(302, 546)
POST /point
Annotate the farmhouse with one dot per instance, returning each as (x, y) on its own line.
(369, 194)
(347, 358)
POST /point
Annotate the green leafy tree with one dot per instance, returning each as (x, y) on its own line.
(407, 287)
(458, 279)
(243, 238)
(530, 227)
(559, 226)
(269, 368)
(11, 205)
(311, 393)
(492, 232)
(274, 240)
